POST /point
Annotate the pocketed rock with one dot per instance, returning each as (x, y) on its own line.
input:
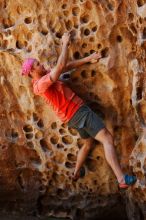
(38, 152)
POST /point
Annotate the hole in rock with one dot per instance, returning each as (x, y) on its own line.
(21, 181)
(105, 52)
(1, 38)
(28, 128)
(84, 19)
(58, 35)
(84, 45)
(30, 144)
(44, 32)
(40, 123)
(133, 28)
(44, 145)
(140, 3)
(94, 28)
(67, 139)
(135, 138)
(29, 36)
(29, 49)
(35, 117)
(62, 131)
(60, 146)
(86, 32)
(75, 11)
(91, 39)
(139, 93)
(4, 147)
(98, 157)
(42, 189)
(91, 94)
(69, 165)
(84, 74)
(81, 185)
(19, 9)
(28, 113)
(54, 125)
(83, 171)
(86, 54)
(19, 44)
(28, 20)
(7, 23)
(98, 99)
(92, 51)
(144, 166)
(139, 175)
(73, 34)
(38, 135)
(131, 16)
(140, 20)
(4, 5)
(76, 25)
(144, 33)
(138, 164)
(25, 43)
(91, 164)
(54, 139)
(93, 73)
(71, 157)
(64, 125)
(73, 131)
(95, 182)
(8, 33)
(119, 39)
(76, 55)
(11, 134)
(66, 13)
(64, 6)
(14, 134)
(91, 190)
(29, 135)
(99, 46)
(68, 25)
(110, 7)
(61, 193)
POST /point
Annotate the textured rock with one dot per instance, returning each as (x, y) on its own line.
(38, 152)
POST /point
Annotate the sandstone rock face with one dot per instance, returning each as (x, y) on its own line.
(38, 152)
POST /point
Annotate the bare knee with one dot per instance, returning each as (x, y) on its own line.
(104, 136)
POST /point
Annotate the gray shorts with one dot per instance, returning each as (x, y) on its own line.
(87, 122)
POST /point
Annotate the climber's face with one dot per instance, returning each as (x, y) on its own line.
(37, 70)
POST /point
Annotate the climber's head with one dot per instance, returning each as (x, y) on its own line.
(32, 68)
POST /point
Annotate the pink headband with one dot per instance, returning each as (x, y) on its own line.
(27, 65)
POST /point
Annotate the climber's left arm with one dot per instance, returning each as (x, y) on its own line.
(94, 57)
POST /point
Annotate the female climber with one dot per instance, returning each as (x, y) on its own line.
(71, 109)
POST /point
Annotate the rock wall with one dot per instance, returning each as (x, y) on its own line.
(38, 152)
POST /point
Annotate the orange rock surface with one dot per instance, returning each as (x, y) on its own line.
(38, 152)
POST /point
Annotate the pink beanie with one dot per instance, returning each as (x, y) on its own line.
(27, 65)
